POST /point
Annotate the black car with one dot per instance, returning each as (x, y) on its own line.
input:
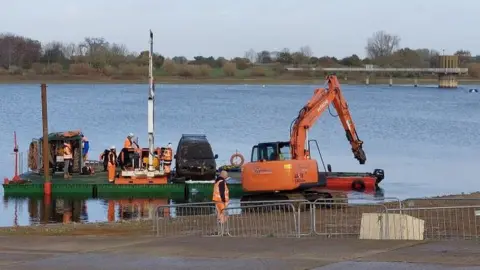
(194, 159)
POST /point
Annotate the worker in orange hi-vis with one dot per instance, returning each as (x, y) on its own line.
(221, 196)
(112, 162)
(128, 143)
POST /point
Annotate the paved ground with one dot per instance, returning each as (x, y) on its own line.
(134, 252)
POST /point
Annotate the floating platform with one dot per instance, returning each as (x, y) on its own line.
(97, 186)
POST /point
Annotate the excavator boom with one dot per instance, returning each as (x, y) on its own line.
(310, 113)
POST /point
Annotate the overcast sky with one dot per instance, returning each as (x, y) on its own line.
(231, 27)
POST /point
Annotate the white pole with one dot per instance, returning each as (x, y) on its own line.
(151, 110)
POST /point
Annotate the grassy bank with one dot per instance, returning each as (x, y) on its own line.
(81, 79)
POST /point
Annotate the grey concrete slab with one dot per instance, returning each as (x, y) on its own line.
(318, 249)
(14, 258)
(444, 252)
(138, 262)
(65, 244)
(133, 252)
(392, 266)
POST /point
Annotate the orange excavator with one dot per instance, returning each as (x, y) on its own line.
(284, 168)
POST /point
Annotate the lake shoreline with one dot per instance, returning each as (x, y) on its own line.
(136, 227)
(227, 81)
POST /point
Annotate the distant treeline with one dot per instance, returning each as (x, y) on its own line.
(97, 57)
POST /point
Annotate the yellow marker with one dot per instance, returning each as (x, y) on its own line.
(287, 166)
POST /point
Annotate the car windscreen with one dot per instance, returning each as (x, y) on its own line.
(196, 150)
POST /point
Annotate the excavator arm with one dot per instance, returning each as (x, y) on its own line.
(310, 113)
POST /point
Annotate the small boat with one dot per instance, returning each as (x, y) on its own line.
(473, 90)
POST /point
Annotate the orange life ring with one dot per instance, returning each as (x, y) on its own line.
(232, 161)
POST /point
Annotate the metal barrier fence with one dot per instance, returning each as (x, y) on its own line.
(332, 219)
(250, 219)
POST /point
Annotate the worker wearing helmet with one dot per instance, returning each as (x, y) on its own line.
(130, 151)
(86, 147)
(221, 196)
(112, 163)
(67, 159)
(128, 141)
(104, 158)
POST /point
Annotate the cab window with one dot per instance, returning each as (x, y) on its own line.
(254, 156)
(267, 152)
(285, 152)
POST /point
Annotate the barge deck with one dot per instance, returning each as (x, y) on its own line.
(98, 186)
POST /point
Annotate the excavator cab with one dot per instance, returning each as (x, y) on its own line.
(270, 151)
(275, 151)
(271, 165)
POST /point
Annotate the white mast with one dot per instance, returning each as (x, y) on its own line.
(151, 108)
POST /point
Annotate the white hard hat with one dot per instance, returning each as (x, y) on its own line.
(112, 147)
(130, 134)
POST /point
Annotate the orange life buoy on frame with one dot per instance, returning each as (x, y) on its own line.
(237, 155)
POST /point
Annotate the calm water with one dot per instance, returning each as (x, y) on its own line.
(426, 139)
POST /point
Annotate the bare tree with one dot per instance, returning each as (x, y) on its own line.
(302, 56)
(18, 51)
(284, 57)
(251, 55)
(53, 52)
(263, 57)
(274, 55)
(69, 50)
(118, 49)
(95, 45)
(306, 51)
(382, 44)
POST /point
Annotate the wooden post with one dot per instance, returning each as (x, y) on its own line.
(46, 161)
(111, 211)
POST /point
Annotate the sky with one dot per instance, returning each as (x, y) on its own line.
(229, 28)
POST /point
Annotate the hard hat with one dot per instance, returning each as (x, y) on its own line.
(112, 147)
(130, 135)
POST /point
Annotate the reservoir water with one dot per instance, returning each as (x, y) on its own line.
(426, 139)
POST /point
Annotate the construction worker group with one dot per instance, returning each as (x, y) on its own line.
(221, 196)
(110, 158)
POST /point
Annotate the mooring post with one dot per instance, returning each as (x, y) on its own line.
(111, 211)
(47, 187)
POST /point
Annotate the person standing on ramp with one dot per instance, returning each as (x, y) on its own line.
(221, 196)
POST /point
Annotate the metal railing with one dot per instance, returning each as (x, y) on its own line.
(376, 69)
(446, 219)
